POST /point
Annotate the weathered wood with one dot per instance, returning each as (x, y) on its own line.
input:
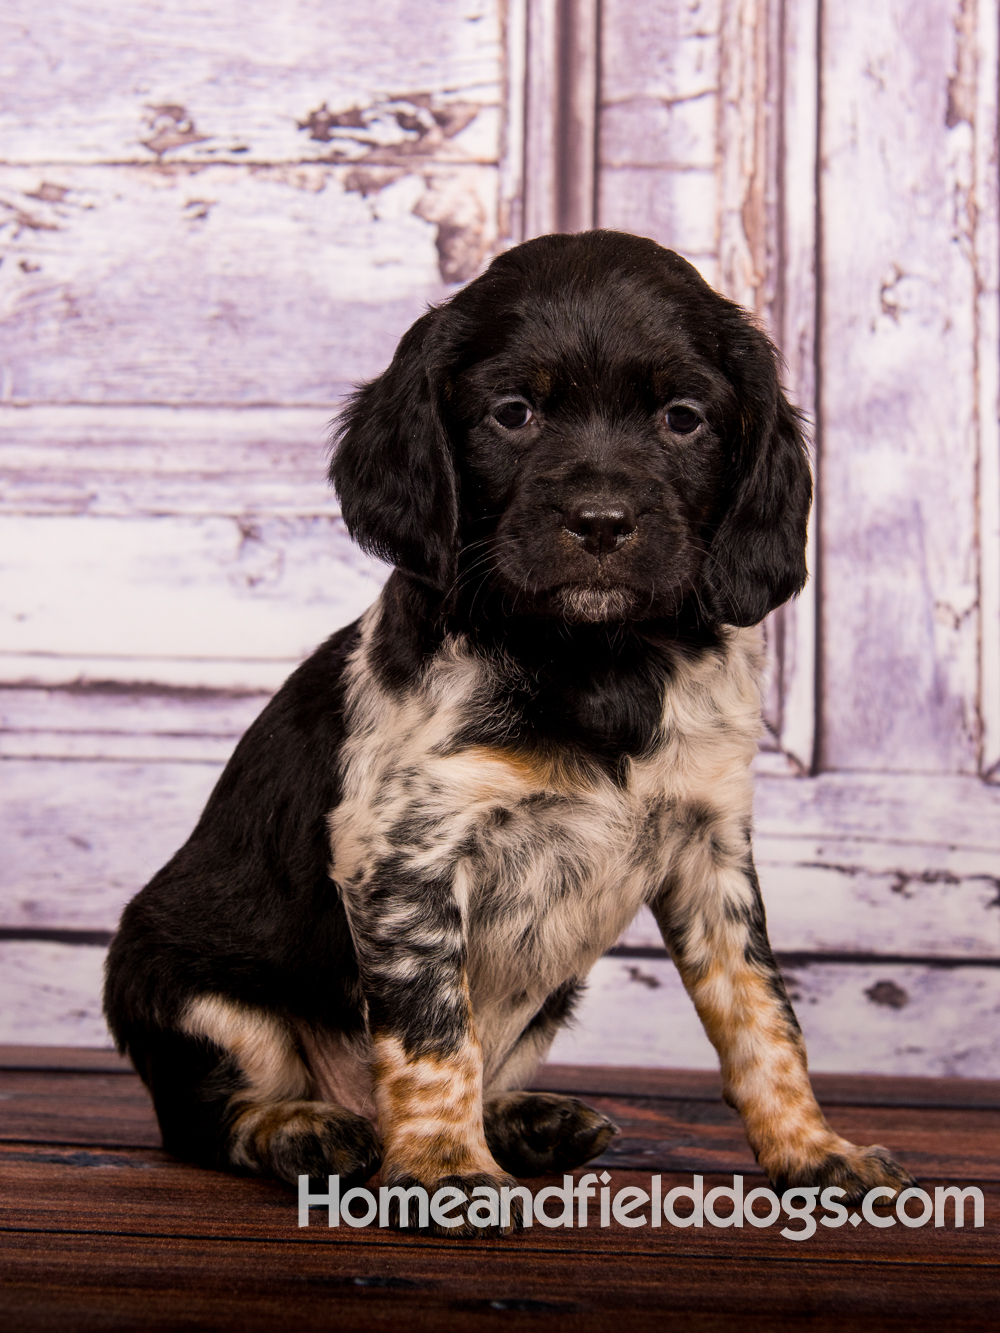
(74, 850)
(241, 82)
(207, 588)
(694, 1136)
(901, 807)
(665, 1084)
(60, 1059)
(982, 54)
(794, 329)
(111, 723)
(845, 897)
(51, 993)
(125, 462)
(207, 227)
(893, 1016)
(90, 1108)
(560, 125)
(899, 445)
(856, 1017)
(81, 838)
(280, 284)
(144, 1192)
(705, 1085)
(671, 1121)
(658, 141)
(81, 1280)
(100, 1234)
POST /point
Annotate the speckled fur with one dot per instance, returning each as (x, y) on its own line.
(592, 489)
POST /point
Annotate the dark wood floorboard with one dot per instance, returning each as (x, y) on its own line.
(100, 1229)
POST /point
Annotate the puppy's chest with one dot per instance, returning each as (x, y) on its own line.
(543, 862)
(547, 858)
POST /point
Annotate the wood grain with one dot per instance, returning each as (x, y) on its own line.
(253, 276)
(90, 1109)
(135, 461)
(214, 222)
(856, 1017)
(900, 597)
(103, 1234)
(202, 588)
(254, 1285)
(246, 77)
(702, 1085)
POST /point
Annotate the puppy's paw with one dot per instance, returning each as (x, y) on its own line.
(855, 1170)
(463, 1213)
(295, 1138)
(534, 1133)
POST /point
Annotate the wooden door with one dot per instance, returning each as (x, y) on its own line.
(835, 171)
(214, 223)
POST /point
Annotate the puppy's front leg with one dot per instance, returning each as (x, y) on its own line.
(427, 1062)
(712, 919)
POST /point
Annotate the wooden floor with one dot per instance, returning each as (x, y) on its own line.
(99, 1229)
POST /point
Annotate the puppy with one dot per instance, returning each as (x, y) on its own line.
(591, 486)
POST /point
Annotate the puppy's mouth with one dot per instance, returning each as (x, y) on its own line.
(582, 605)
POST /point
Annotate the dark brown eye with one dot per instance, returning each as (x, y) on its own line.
(512, 415)
(682, 420)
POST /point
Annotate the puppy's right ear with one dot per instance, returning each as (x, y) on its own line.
(393, 467)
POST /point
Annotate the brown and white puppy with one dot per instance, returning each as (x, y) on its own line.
(591, 486)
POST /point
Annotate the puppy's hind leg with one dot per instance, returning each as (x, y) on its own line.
(231, 1091)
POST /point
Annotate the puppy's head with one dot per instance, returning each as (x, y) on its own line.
(591, 431)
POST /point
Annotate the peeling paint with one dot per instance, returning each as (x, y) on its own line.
(461, 239)
(411, 125)
(888, 994)
(643, 978)
(389, 139)
(171, 127)
(901, 880)
(48, 193)
(962, 83)
(370, 180)
(24, 221)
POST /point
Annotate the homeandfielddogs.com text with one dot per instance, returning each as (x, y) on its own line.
(590, 1202)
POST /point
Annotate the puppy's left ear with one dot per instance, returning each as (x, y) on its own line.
(393, 468)
(757, 556)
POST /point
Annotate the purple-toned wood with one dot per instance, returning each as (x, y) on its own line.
(898, 353)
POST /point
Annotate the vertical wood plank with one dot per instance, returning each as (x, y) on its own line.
(510, 221)
(796, 335)
(540, 118)
(561, 116)
(749, 114)
(577, 147)
(987, 251)
(899, 451)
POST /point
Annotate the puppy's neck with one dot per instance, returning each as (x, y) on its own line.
(596, 690)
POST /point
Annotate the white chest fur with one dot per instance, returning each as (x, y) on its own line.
(547, 861)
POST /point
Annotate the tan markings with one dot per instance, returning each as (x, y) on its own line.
(260, 1043)
(540, 380)
(764, 1068)
(430, 1111)
(533, 770)
(550, 885)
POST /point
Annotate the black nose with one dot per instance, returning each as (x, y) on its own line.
(601, 526)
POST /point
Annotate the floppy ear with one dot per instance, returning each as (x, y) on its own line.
(393, 469)
(757, 556)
